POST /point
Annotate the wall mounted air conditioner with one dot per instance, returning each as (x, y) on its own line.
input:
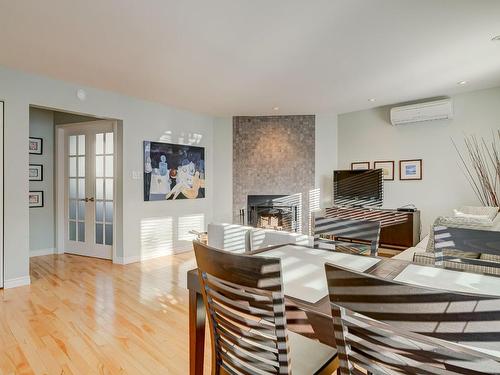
(429, 111)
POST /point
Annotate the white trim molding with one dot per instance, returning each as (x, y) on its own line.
(18, 281)
(40, 252)
(126, 260)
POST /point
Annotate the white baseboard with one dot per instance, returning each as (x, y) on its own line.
(40, 252)
(126, 260)
(18, 281)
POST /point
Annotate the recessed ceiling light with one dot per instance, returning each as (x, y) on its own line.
(372, 100)
(496, 38)
(276, 108)
(461, 83)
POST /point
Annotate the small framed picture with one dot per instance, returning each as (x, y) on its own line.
(35, 146)
(360, 165)
(35, 199)
(410, 169)
(387, 167)
(36, 172)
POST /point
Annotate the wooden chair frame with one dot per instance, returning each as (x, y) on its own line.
(361, 230)
(245, 306)
(386, 327)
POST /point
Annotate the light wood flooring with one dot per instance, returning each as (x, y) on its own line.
(88, 316)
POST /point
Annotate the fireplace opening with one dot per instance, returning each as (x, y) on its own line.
(272, 212)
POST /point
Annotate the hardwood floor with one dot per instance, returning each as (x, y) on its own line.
(89, 316)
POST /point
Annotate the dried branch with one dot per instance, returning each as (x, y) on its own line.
(481, 167)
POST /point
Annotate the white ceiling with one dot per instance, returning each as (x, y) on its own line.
(236, 57)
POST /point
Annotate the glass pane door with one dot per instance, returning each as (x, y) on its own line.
(89, 183)
(76, 188)
(104, 182)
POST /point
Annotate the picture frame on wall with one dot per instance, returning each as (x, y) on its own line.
(173, 171)
(35, 145)
(387, 167)
(36, 172)
(410, 169)
(35, 199)
(357, 165)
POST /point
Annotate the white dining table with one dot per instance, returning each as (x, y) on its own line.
(303, 269)
(303, 273)
(304, 278)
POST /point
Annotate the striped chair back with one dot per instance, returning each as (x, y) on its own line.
(325, 227)
(246, 309)
(469, 249)
(385, 327)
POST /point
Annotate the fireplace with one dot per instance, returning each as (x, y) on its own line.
(277, 212)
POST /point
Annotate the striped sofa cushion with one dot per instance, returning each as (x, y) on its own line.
(490, 257)
(428, 258)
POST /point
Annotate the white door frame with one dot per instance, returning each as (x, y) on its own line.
(2, 218)
(60, 188)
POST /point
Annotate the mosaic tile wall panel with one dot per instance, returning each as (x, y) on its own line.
(273, 155)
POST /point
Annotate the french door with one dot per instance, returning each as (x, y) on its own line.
(89, 189)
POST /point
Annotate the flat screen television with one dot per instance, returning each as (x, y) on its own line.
(358, 188)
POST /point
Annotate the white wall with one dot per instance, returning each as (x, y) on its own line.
(41, 220)
(326, 156)
(1, 192)
(369, 136)
(150, 228)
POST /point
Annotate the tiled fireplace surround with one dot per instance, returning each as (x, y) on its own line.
(273, 155)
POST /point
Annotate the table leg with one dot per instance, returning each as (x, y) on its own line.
(196, 333)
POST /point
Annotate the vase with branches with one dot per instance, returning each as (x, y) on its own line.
(481, 166)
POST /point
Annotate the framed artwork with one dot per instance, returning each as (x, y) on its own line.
(360, 165)
(387, 167)
(36, 172)
(173, 171)
(35, 199)
(35, 146)
(410, 169)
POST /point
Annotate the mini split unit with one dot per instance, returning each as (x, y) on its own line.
(428, 111)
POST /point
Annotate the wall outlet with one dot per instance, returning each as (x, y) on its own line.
(136, 175)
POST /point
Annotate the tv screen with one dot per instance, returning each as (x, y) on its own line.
(358, 187)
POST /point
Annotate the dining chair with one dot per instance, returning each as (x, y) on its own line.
(244, 299)
(326, 228)
(386, 327)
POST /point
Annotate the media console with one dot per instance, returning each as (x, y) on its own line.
(398, 230)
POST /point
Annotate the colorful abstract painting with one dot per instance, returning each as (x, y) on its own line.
(173, 171)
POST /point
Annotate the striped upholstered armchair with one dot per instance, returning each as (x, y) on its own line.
(461, 243)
